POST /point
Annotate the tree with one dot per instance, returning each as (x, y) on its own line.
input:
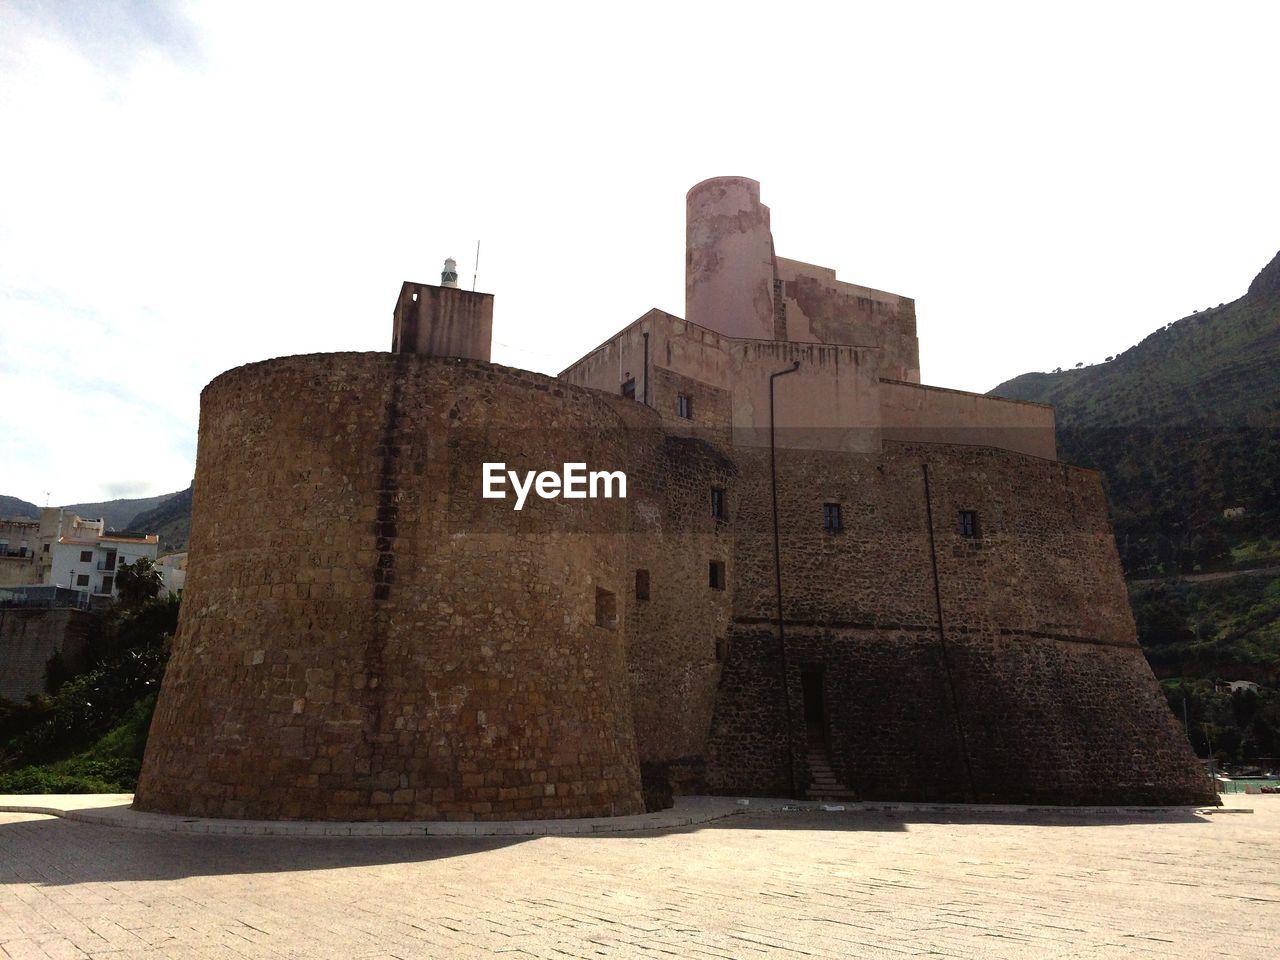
(138, 582)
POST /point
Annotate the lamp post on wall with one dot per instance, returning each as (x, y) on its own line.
(777, 576)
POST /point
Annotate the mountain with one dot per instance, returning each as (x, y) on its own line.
(11, 508)
(1185, 427)
(118, 514)
(170, 519)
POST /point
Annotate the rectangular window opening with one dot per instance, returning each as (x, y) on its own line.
(107, 583)
(969, 524)
(831, 521)
(642, 584)
(811, 695)
(82, 580)
(716, 575)
(684, 406)
(606, 609)
(86, 556)
(718, 509)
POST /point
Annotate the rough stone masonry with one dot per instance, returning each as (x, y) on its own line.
(365, 636)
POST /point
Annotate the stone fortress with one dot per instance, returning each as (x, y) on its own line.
(826, 579)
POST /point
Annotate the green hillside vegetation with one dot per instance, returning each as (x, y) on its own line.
(1240, 729)
(87, 734)
(171, 520)
(1228, 628)
(1183, 426)
(1185, 429)
(1196, 634)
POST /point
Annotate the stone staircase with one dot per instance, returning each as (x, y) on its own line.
(823, 784)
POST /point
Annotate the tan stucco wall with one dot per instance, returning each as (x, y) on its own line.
(19, 571)
(14, 570)
(821, 309)
(829, 403)
(920, 414)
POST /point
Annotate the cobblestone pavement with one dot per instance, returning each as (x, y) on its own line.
(811, 884)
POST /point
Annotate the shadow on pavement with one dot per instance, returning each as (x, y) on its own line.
(47, 850)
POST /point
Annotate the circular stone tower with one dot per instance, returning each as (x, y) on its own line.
(729, 259)
(363, 635)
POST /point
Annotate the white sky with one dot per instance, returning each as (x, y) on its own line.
(184, 189)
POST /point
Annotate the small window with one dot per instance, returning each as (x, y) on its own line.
(86, 556)
(629, 389)
(716, 577)
(82, 580)
(642, 584)
(969, 523)
(717, 504)
(684, 406)
(106, 584)
(831, 521)
(606, 609)
(45, 548)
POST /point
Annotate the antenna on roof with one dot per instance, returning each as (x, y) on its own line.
(46, 498)
(477, 272)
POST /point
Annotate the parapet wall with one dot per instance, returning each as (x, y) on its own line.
(912, 413)
(362, 636)
(815, 307)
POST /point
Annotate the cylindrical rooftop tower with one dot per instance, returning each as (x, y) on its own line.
(729, 262)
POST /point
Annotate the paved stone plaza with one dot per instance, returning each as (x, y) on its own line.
(968, 883)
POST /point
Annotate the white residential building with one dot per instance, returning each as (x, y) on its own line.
(26, 546)
(89, 564)
(173, 569)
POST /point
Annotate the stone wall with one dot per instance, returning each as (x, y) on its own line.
(675, 638)
(1030, 688)
(30, 637)
(363, 636)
